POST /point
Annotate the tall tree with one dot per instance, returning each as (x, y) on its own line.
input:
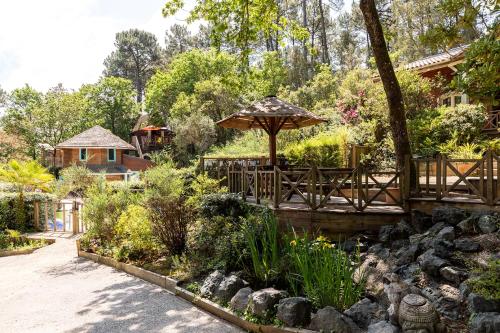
(178, 40)
(3, 97)
(392, 89)
(136, 57)
(112, 101)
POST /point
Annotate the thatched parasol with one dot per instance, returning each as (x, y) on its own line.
(272, 115)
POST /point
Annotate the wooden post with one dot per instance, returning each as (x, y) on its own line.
(272, 148)
(438, 177)
(489, 178)
(243, 183)
(202, 164)
(256, 185)
(277, 186)
(37, 214)
(359, 187)
(314, 170)
(76, 224)
(444, 173)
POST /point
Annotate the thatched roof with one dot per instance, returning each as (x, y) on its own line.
(259, 114)
(96, 137)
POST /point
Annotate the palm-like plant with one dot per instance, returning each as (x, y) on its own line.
(25, 176)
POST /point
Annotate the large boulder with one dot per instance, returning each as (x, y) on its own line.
(228, 287)
(383, 327)
(453, 274)
(477, 303)
(211, 283)
(262, 302)
(364, 312)
(467, 245)
(430, 263)
(443, 248)
(384, 234)
(449, 215)
(447, 234)
(330, 320)
(488, 223)
(294, 311)
(487, 322)
(240, 301)
(406, 255)
(467, 225)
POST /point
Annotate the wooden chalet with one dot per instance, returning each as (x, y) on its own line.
(444, 66)
(102, 152)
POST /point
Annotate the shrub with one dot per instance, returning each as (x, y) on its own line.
(201, 186)
(75, 179)
(261, 235)
(324, 273)
(164, 181)
(134, 228)
(487, 281)
(222, 204)
(170, 219)
(322, 150)
(463, 122)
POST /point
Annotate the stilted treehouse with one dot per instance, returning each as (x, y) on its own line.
(148, 138)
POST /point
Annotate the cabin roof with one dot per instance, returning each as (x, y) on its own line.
(96, 137)
(443, 58)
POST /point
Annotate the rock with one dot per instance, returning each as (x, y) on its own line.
(432, 294)
(453, 274)
(433, 231)
(443, 248)
(262, 302)
(417, 314)
(420, 221)
(467, 225)
(395, 292)
(330, 320)
(406, 255)
(402, 230)
(488, 322)
(447, 234)
(383, 327)
(350, 246)
(379, 251)
(384, 234)
(240, 301)
(365, 312)
(488, 223)
(430, 263)
(464, 289)
(211, 283)
(228, 287)
(415, 239)
(448, 305)
(477, 303)
(294, 311)
(449, 215)
(467, 245)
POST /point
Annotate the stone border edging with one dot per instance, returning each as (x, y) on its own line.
(8, 253)
(171, 285)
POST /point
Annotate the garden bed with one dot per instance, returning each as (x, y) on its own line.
(171, 285)
(24, 245)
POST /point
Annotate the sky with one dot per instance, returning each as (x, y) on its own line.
(47, 42)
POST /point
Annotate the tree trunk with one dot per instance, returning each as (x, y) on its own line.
(391, 85)
(324, 42)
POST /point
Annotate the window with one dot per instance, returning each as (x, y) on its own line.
(83, 154)
(458, 100)
(447, 101)
(112, 155)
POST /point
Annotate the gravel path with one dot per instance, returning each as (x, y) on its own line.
(53, 290)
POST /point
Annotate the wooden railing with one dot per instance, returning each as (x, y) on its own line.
(493, 122)
(316, 187)
(469, 179)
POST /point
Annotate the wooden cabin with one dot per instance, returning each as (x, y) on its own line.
(147, 138)
(102, 152)
(444, 66)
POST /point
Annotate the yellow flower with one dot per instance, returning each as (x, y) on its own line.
(293, 243)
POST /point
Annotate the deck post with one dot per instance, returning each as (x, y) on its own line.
(438, 177)
(76, 224)
(243, 183)
(256, 185)
(276, 185)
(37, 214)
(202, 164)
(359, 187)
(489, 178)
(46, 227)
(64, 216)
(314, 171)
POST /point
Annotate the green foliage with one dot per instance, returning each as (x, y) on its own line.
(324, 273)
(261, 235)
(75, 179)
(13, 240)
(463, 122)
(164, 181)
(322, 150)
(479, 75)
(487, 281)
(134, 226)
(222, 204)
(201, 186)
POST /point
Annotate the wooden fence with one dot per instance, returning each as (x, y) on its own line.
(60, 216)
(439, 178)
